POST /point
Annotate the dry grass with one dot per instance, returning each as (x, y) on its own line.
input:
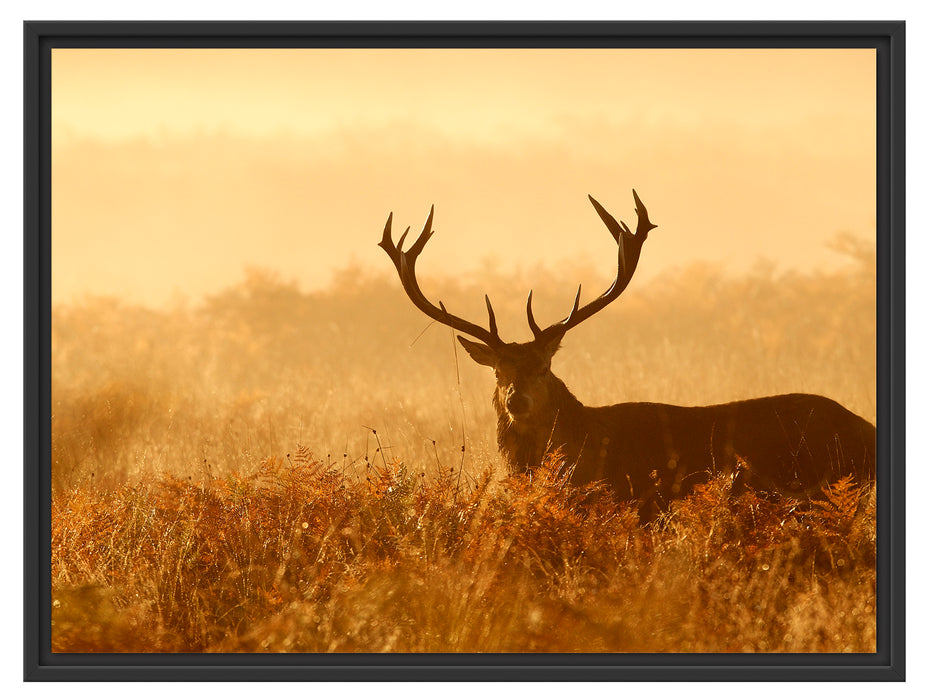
(185, 520)
(294, 558)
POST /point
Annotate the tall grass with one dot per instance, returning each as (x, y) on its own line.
(293, 557)
(277, 471)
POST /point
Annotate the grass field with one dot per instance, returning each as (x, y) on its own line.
(277, 471)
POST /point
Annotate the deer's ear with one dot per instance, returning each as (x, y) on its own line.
(479, 352)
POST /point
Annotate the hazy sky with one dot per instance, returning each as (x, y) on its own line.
(175, 170)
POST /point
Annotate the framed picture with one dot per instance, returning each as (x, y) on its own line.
(263, 443)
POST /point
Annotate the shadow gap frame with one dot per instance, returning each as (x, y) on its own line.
(887, 38)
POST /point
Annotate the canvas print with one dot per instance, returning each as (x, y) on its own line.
(463, 350)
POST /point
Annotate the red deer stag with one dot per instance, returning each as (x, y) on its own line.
(791, 444)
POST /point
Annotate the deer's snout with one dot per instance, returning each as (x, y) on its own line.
(517, 402)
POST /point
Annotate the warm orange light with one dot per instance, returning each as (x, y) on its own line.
(176, 169)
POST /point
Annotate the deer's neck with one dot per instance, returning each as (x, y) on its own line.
(523, 443)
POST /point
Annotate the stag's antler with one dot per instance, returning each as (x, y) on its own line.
(405, 261)
(628, 255)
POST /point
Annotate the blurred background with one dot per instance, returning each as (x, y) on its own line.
(219, 297)
(174, 170)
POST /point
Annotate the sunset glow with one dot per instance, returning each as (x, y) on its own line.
(176, 170)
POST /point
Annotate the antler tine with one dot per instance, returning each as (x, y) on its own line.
(628, 255)
(575, 304)
(614, 226)
(403, 236)
(405, 261)
(533, 324)
(424, 236)
(386, 241)
(492, 324)
(643, 219)
(568, 320)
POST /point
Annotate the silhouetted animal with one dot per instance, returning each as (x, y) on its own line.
(792, 444)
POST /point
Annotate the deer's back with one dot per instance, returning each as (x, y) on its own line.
(792, 444)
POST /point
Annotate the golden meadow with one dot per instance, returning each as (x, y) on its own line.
(279, 471)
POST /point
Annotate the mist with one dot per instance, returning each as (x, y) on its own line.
(261, 367)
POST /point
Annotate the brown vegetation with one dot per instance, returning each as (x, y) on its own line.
(294, 558)
(184, 519)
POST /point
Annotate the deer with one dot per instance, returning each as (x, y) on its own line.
(789, 445)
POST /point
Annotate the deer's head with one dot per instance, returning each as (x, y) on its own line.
(522, 370)
(523, 376)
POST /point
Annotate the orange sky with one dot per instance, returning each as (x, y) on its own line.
(174, 170)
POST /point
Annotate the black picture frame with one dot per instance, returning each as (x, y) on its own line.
(887, 664)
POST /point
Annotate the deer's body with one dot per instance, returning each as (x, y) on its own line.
(791, 444)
